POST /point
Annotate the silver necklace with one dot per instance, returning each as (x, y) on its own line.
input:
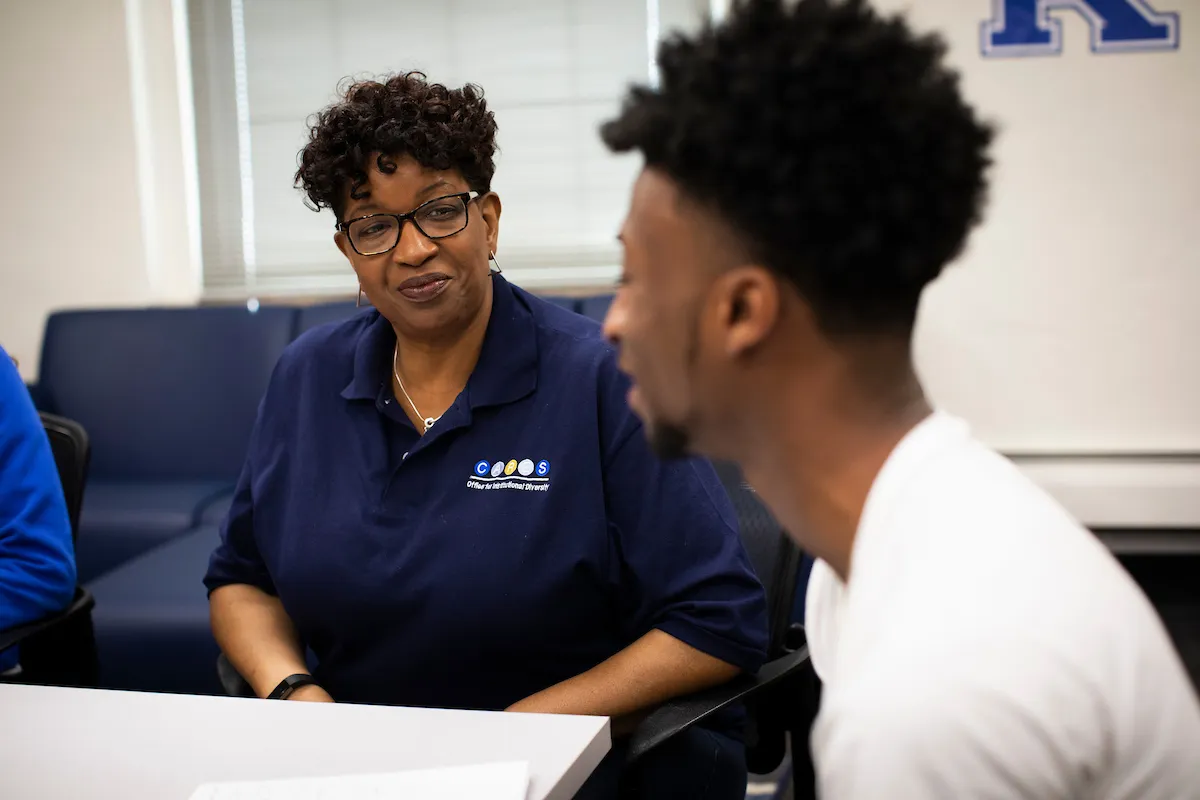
(429, 421)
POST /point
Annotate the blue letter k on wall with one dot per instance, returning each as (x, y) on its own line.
(1025, 27)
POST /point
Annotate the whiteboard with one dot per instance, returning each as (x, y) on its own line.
(1071, 324)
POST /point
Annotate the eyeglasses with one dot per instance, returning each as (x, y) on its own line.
(438, 218)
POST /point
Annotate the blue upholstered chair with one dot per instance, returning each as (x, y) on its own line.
(168, 397)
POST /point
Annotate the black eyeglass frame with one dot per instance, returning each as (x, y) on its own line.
(411, 216)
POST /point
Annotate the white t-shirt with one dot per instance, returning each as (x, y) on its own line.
(988, 646)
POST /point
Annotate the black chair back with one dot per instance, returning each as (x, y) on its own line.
(785, 711)
(61, 649)
(774, 556)
(72, 454)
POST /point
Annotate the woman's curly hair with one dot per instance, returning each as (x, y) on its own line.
(400, 115)
(835, 140)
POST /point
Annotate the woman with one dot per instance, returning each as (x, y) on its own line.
(447, 499)
(37, 556)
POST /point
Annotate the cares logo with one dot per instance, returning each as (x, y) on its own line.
(525, 475)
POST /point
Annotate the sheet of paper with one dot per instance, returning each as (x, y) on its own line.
(502, 781)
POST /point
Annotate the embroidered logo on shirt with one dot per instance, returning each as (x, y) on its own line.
(523, 475)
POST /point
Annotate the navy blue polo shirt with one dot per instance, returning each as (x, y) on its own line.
(530, 535)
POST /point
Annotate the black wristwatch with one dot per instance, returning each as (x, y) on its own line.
(290, 684)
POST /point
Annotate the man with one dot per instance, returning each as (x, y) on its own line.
(809, 168)
(37, 557)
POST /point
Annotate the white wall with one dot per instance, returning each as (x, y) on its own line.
(1068, 333)
(1070, 326)
(552, 70)
(1069, 329)
(96, 207)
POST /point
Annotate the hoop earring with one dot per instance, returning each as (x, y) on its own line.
(358, 298)
(495, 264)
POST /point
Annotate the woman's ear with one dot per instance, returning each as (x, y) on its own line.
(343, 243)
(489, 209)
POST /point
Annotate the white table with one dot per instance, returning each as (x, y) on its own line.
(86, 743)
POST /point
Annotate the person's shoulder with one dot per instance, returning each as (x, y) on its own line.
(967, 490)
(10, 378)
(982, 710)
(556, 322)
(971, 542)
(1038, 706)
(335, 337)
(330, 345)
(576, 360)
(18, 416)
(568, 340)
(982, 523)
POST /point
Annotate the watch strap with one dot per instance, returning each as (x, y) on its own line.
(290, 684)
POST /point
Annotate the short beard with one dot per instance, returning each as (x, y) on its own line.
(670, 442)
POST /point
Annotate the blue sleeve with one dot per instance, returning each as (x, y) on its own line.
(37, 556)
(684, 570)
(237, 558)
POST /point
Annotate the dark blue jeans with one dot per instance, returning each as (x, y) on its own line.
(698, 764)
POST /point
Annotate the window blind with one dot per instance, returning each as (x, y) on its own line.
(551, 70)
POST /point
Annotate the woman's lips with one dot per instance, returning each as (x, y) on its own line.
(423, 288)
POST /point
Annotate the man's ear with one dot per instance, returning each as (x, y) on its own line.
(749, 309)
(489, 210)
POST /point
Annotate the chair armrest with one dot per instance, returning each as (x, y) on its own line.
(83, 602)
(682, 713)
